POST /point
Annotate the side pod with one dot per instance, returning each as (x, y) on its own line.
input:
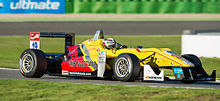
(150, 75)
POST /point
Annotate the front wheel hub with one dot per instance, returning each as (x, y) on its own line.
(27, 63)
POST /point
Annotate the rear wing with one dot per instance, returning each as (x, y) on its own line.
(35, 38)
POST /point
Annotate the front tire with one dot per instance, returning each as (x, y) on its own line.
(197, 69)
(126, 67)
(33, 63)
(196, 61)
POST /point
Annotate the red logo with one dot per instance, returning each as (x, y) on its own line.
(34, 36)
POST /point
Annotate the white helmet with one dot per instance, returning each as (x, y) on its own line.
(109, 43)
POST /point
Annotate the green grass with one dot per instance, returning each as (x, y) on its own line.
(110, 19)
(26, 90)
(13, 46)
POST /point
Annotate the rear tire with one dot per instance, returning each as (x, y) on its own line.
(33, 63)
(126, 67)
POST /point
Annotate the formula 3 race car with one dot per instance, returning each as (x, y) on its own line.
(92, 59)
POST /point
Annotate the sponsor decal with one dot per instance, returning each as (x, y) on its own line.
(35, 45)
(172, 54)
(33, 6)
(153, 77)
(149, 74)
(92, 49)
(96, 49)
(79, 73)
(65, 72)
(82, 64)
(187, 62)
(102, 57)
(178, 56)
(28, 4)
(35, 36)
(35, 40)
(177, 71)
(101, 63)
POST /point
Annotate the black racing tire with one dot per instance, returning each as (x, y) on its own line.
(108, 75)
(131, 67)
(196, 61)
(193, 58)
(198, 65)
(33, 63)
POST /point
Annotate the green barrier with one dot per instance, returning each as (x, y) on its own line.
(143, 6)
(166, 6)
(104, 6)
(212, 6)
(82, 6)
(69, 6)
(128, 6)
(197, 6)
(149, 6)
(182, 6)
(94, 6)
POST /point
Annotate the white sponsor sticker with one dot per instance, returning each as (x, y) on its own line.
(29, 4)
(101, 63)
(34, 40)
(149, 74)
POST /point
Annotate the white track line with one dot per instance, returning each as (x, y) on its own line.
(8, 69)
(217, 81)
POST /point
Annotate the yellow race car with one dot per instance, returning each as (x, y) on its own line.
(105, 58)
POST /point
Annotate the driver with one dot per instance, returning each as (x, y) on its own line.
(109, 43)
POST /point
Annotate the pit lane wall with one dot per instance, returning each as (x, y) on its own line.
(109, 6)
(203, 44)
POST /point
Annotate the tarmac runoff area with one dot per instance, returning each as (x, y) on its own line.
(6, 73)
(109, 27)
(86, 27)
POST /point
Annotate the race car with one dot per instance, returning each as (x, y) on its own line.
(105, 58)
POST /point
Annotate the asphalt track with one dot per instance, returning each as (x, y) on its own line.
(14, 74)
(110, 27)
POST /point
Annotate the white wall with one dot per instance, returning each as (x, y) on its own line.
(201, 45)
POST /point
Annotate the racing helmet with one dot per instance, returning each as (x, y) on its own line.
(109, 43)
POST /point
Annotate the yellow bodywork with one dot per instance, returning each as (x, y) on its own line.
(157, 57)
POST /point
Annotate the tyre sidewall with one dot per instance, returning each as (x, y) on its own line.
(193, 58)
(33, 71)
(39, 63)
(134, 68)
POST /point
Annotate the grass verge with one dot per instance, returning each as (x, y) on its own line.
(26, 90)
(110, 19)
(13, 46)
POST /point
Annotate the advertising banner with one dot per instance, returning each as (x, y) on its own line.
(32, 6)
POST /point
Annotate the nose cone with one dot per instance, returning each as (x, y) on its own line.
(179, 59)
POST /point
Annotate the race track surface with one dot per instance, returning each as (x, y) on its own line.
(14, 74)
(110, 27)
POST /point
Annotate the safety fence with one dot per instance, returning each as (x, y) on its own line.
(142, 6)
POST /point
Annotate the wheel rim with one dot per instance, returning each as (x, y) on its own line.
(123, 67)
(27, 63)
